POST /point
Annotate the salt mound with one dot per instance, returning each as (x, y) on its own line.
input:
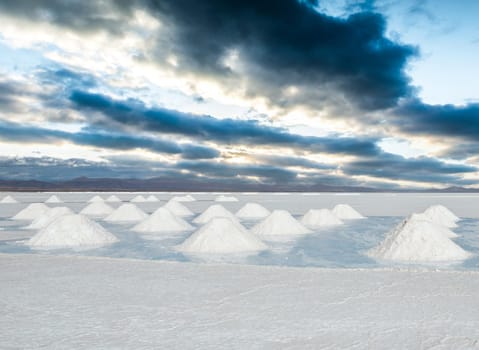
(417, 240)
(162, 220)
(320, 218)
(221, 235)
(97, 209)
(138, 199)
(95, 199)
(214, 211)
(152, 198)
(441, 216)
(446, 229)
(53, 199)
(51, 215)
(252, 211)
(113, 199)
(280, 222)
(32, 212)
(178, 209)
(223, 198)
(346, 212)
(72, 230)
(8, 199)
(187, 198)
(127, 213)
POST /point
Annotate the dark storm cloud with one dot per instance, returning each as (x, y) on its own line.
(230, 131)
(30, 134)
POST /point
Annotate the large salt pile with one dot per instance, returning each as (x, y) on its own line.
(113, 199)
(346, 212)
(8, 199)
(223, 198)
(221, 235)
(152, 198)
(162, 220)
(127, 212)
(187, 198)
(53, 199)
(138, 199)
(214, 211)
(251, 211)
(95, 199)
(316, 218)
(279, 222)
(32, 212)
(178, 209)
(70, 231)
(441, 215)
(51, 215)
(97, 209)
(416, 240)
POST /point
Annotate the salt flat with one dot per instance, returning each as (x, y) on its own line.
(84, 302)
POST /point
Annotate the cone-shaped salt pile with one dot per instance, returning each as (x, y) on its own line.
(8, 199)
(70, 231)
(32, 212)
(418, 240)
(152, 198)
(177, 208)
(162, 220)
(280, 222)
(97, 209)
(127, 213)
(214, 211)
(346, 212)
(138, 199)
(187, 198)
(446, 230)
(113, 199)
(441, 215)
(95, 199)
(252, 211)
(223, 198)
(315, 218)
(221, 235)
(53, 199)
(51, 215)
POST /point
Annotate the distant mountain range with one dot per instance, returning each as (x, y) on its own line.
(169, 184)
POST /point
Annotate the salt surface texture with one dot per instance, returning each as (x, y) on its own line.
(51, 215)
(32, 212)
(279, 222)
(8, 199)
(127, 212)
(138, 199)
(221, 235)
(252, 211)
(320, 218)
(97, 209)
(223, 198)
(214, 211)
(346, 212)
(178, 209)
(113, 199)
(416, 240)
(53, 199)
(70, 231)
(162, 220)
(152, 198)
(441, 215)
(95, 199)
(187, 198)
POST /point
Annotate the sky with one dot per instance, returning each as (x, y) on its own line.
(240, 93)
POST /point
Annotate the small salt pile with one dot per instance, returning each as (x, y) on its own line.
(113, 199)
(316, 218)
(279, 222)
(221, 235)
(138, 199)
(187, 198)
(441, 215)
(53, 199)
(127, 212)
(152, 198)
(214, 211)
(346, 212)
(178, 209)
(162, 220)
(51, 215)
(70, 231)
(223, 198)
(8, 200)
(97, 210)
(418, 240)
(252, 211)
(95, 199)
(32, 212)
